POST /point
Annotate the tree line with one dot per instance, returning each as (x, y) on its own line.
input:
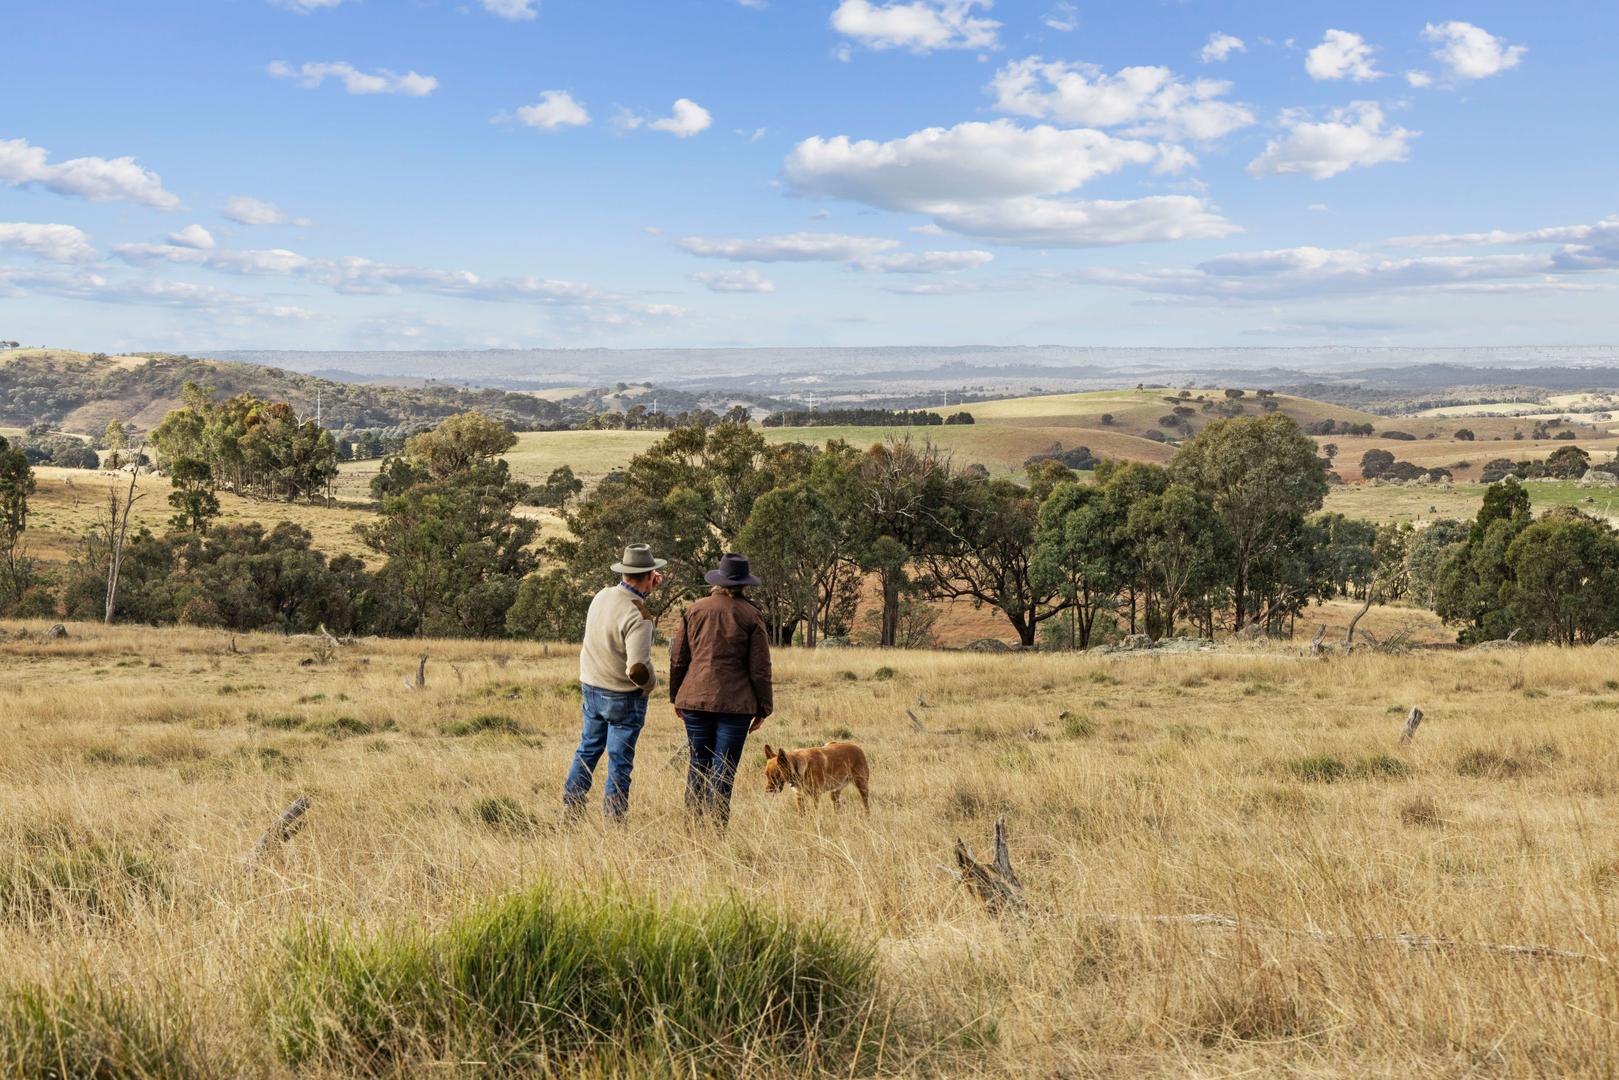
(794, 418)
(1227, 535)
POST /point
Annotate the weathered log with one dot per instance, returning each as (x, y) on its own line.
(1411, 723)
(996, 883)
(1315, 642)
(282, 829)
(420, 682)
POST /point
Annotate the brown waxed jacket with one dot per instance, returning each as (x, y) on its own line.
(720, 659)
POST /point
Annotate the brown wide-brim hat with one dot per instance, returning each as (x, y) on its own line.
(638, 560)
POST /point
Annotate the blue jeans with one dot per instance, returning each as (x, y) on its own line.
(716, 741)
(612, 722)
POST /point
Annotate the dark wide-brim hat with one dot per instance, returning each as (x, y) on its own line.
(638, 560)
(732, 571)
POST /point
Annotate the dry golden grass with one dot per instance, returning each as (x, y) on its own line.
(1173, 785)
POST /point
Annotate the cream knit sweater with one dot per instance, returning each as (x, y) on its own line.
(617, 653)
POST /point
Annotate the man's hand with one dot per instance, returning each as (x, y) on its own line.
(758, 722)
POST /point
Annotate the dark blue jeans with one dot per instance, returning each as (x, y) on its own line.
(612, 722)
(715, 741)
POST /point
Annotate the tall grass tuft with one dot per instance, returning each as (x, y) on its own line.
(94, 878)
(83, 1031)
(541, 979)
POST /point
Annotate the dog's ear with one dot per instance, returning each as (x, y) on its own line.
(786, 763)
(769, 753)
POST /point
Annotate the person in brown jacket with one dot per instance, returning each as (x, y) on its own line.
(719, 681)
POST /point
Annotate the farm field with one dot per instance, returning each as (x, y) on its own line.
(1426, 502)
(137, 768)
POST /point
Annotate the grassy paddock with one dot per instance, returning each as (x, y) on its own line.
(137, 767)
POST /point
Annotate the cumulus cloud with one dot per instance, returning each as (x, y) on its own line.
(1219, 47)
(920, 26)
(923, 262)
(515, 10)
(1472, 52)
(247, 263)
(1604, 234)
(1153, 101)
(1418, 79)
(794, 247)
(94, 178)
(687, 119)
(555, 110)
(996, 180)
(1350, 137)
(57, 243)
(382, 81)
(734, 281)
(245, 210)
(1341, 55)
(193, 236)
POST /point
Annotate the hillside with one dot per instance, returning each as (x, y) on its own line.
(79, 392)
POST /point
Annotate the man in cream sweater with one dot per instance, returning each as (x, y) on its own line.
(616, 678)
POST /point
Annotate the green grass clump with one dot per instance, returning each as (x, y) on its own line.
(1318, 768)
(1076, 726)
(493, 723)
(83, 1030)
(503, 813)
(82, 877)
(884, 673)
(547, 980)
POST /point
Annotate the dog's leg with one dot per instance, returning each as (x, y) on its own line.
(837, 806)
(862, 783)
(798, 800)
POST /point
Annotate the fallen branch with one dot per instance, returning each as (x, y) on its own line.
(916, 723)
(286, 824)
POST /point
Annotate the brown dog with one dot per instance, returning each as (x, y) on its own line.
(828, 768)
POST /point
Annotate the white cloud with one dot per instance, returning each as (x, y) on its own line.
(920, 25)
(1220, 47)
(755, 4)
(929, 229)
(973, 161)
(923, 262)
(734, 281)
(1063, 17)
(193, 236)
(994, 181)
(687, 119)
(1418, 79)
(1342, 55)
(1349, 137)
(555, 110)
(1153, 100)
(248, 263)
(1081, 223)
(752, 136)
(794, 247)
(304, 7)
(1604, 233)
(355, 81)
(1472, 52)
(245, 210)
(515, 10)
(57, 243)
(98, 288)
(93, 178)
(1318, 207)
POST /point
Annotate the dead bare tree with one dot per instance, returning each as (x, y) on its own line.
(118, 532)
(996, 883)
(1315, 642)
(1371, 598)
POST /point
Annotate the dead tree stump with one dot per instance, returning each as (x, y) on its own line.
(282, 829)
(996, 883)
(1411, 723)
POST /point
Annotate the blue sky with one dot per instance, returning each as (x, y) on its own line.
(557, 173)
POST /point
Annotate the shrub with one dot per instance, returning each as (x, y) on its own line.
(884, 672)
(541, 980)
(503, 814)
